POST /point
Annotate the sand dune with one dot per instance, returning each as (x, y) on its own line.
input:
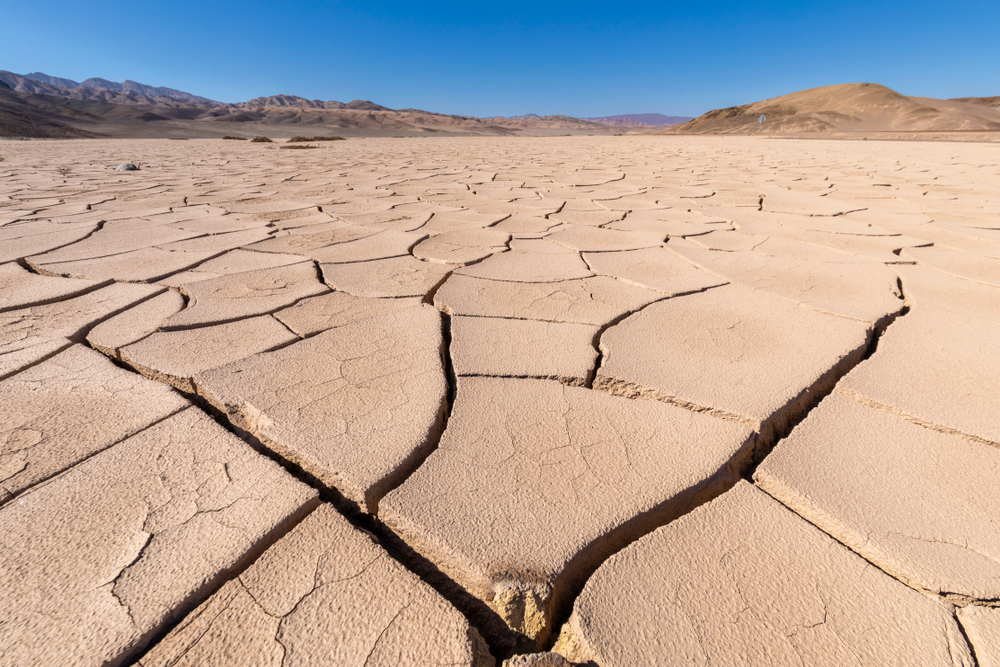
(853, 107)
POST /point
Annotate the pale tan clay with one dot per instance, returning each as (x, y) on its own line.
(400, 219)
(522, 223)
(238, 261)
(935, 367)
(674, 223)
(530, 261)
(20, 288)
(928, 289)
(28, 335)
(135, 323)
(883, 248)
(385, 278)
(234, 261)
(523, 348)
(982, 627)
(594, 301)
(336, 309)
(175, 357)
(114, 238)
(307, 239)
(357, 407)
(459, 220)
(535, 482)
(961, 263)
(17, 243)
(246, 294)
(99, 559)
(325, 594)
(745, 354)
(462, 247)
(653, 268)
(743, 581)
(862, 290)
(809, 203)
(69, 407)
(385, 244)
(217, 243)
(586, 285)
(268, 208)
(582, 238)
(145, 264)
(594, 218)
(915, 502)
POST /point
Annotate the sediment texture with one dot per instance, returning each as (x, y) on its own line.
(629, 400)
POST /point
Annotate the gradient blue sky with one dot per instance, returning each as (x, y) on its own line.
(514, 57)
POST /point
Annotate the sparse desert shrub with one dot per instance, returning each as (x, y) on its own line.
(308, 139)
(2, 159)
(260, 140)
(300, 147)
(235, 138)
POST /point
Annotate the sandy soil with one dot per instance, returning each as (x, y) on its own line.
(649, 400)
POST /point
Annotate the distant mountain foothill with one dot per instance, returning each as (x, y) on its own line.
(40, 105)
(851, 107)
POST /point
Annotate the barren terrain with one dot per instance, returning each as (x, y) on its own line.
(611, 401)
(855, 110)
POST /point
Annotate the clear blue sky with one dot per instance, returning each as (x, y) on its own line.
(515, 57)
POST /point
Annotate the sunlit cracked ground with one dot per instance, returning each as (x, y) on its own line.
(631, 401)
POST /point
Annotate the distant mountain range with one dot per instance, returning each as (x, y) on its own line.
(83, 106)
(641, 120)
(103, 84)
(40, 105)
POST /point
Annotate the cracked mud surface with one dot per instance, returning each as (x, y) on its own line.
(606, 401)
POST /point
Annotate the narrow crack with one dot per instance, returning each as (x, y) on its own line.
(968, 642)
(596, 342)
(211, 586)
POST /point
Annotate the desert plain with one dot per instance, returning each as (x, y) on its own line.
(617, 401)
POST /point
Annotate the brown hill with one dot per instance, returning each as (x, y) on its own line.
(27, 115)
(131, 97)
(135, 110)
(853, 107)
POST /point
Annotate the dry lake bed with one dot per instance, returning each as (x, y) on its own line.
(614, 401)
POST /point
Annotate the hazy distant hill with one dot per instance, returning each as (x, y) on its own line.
(852, 107)
(133, 109)
(124, 87)
(142, 89)
(641, 120)
(303, 103)
(176, 105)
(53, 80)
